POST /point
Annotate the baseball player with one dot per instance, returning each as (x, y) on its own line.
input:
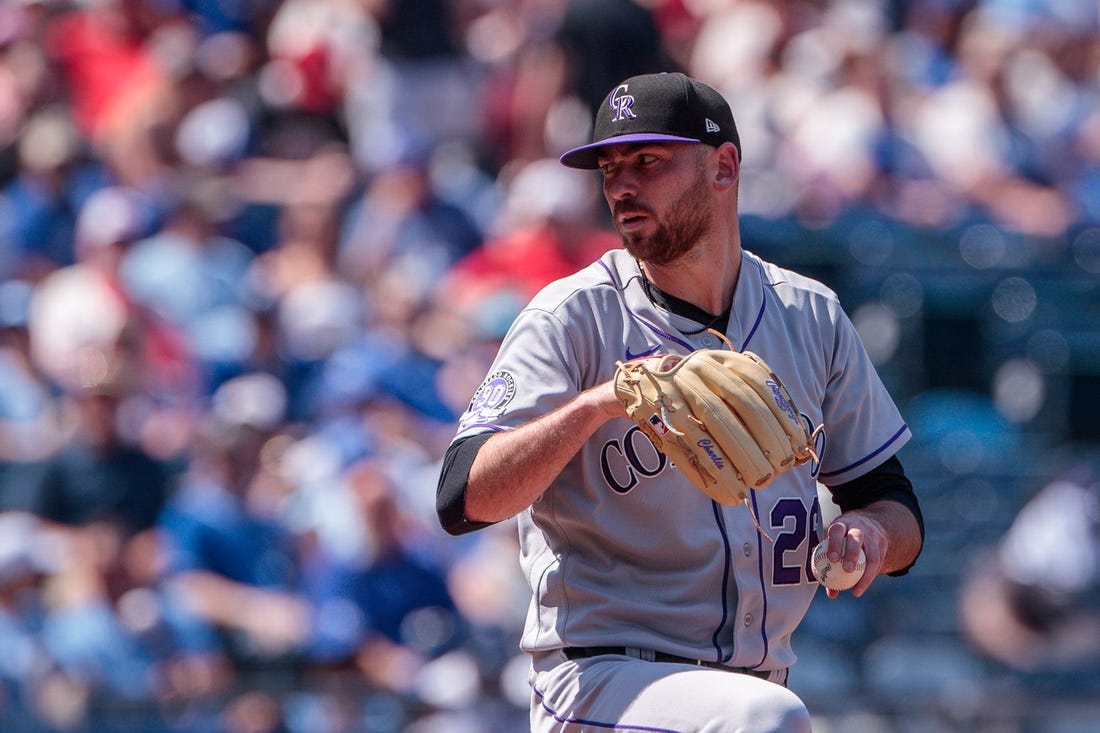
(655, 607)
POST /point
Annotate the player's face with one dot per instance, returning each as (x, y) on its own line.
(639, 180)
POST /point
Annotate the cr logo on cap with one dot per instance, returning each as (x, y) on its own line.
(621, 102)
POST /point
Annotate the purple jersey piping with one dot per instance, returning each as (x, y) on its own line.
(869, 456)
(759, 315)
(651, 326)
(755, 509)
(490, 427)
(725, 582)
(595, 723)
(763, 587)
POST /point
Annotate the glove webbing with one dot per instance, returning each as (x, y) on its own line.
(660, 401)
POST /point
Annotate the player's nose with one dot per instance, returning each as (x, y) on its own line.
(619, 185)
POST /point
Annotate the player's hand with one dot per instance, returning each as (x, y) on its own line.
(849, 533)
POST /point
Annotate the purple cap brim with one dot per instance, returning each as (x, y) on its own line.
(585, 157)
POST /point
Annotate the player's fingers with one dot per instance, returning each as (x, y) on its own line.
(874, 550)
(836, 534)
(868, 577)
(853, 543)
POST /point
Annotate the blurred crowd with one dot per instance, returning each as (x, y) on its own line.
(255, 256)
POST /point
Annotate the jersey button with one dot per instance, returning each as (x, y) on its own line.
(708, 341)
(748, 619)
(748, 549)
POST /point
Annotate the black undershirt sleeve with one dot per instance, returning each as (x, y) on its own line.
(450, 494)
(887, 481)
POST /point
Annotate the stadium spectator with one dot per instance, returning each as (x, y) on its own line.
(352, 199)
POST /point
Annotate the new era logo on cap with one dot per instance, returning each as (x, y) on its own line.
(658, 108)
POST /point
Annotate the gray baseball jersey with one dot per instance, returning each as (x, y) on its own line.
(622, 549)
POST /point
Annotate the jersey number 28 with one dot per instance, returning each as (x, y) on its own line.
(794, 544)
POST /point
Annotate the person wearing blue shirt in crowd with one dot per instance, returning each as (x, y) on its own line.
(381, 609)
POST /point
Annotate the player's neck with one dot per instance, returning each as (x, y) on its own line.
(706, 282)
(672, 304)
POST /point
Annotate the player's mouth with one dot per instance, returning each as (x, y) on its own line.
(630, 220)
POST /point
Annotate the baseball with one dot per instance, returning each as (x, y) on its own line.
(832, 575)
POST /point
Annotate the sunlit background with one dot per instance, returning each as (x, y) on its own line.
(256, 255)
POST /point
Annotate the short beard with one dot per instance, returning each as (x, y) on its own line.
(689, 219)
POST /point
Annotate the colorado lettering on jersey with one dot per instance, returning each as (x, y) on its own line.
(624, 462)
(819, 443)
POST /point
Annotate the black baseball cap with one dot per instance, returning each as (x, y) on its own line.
(665, 107)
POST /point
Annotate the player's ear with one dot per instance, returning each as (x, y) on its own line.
(728, 166)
